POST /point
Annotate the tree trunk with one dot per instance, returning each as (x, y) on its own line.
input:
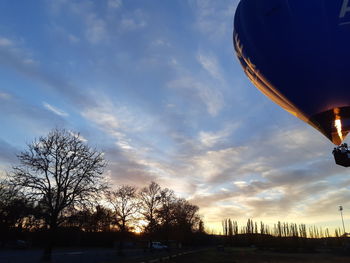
(47, 255)
(121, 241)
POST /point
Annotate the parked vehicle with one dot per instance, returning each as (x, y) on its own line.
(158, 245)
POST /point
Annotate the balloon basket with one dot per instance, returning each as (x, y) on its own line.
(342, 155)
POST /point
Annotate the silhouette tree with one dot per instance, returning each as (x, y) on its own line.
(125, 205)
(60, 171)
(201, 227)
(14, 208)
(150, 198)
(186, 218)
(101, 219)
(165, 212)
(224, 227)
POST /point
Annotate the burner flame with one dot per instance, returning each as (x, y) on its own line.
(337, 125)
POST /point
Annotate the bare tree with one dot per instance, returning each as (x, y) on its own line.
(60, 172)
(165, 212)
(125, 204)
(185, 214)
(101, 219)
(186, 219)
(149, 203)
(14, 208)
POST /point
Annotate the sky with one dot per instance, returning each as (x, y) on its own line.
(156, 86)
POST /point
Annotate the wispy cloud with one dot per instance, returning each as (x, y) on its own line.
(95, 26)
(211, 97)
(133, 21)
(79, 136)
(214, 18)
(96, 31)
(18, 57)
(7, 152)
(14, 51)
(55, 110)
(114, 3)
(210, 139)
(5, 42)
(73, 39)
(116, 121)
(160, 42)
(259, 179)
(5, 96)
(211, 65)
(26, 114)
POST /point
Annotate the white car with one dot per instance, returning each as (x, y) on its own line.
(158, 245)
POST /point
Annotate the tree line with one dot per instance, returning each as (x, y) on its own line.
(59, 183)
(148, 210)
(282, 236)
(280, 229)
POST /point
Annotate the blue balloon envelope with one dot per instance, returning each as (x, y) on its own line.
(297, 52)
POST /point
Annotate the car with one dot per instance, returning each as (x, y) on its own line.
(158, 245)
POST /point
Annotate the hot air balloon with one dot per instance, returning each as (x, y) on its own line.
(297, 52)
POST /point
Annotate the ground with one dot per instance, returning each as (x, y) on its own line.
(247, 255)
(204, 255)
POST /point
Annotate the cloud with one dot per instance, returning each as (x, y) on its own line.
(214, 18)
(8, 152)
(131, 24)
(94, 25)
(23, 113)
(134, 150)
(79, 136)
(273, 177)
(13, 52)
(114, 3)
(211, 97)
(196, 87)
(55, 110)
(210, 139)
(5, 96)
(5, 42)
(96, 31)
(135, 20)
(22, 61)
(106, 117)
(127, 168)
(327, 204)
(160, 42)
(100, 23)
(211, 65)
(120, 123)
(73, 39)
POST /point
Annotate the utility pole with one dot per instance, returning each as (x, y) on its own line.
(341, 214)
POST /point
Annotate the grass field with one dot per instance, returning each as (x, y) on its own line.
(246, 255)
